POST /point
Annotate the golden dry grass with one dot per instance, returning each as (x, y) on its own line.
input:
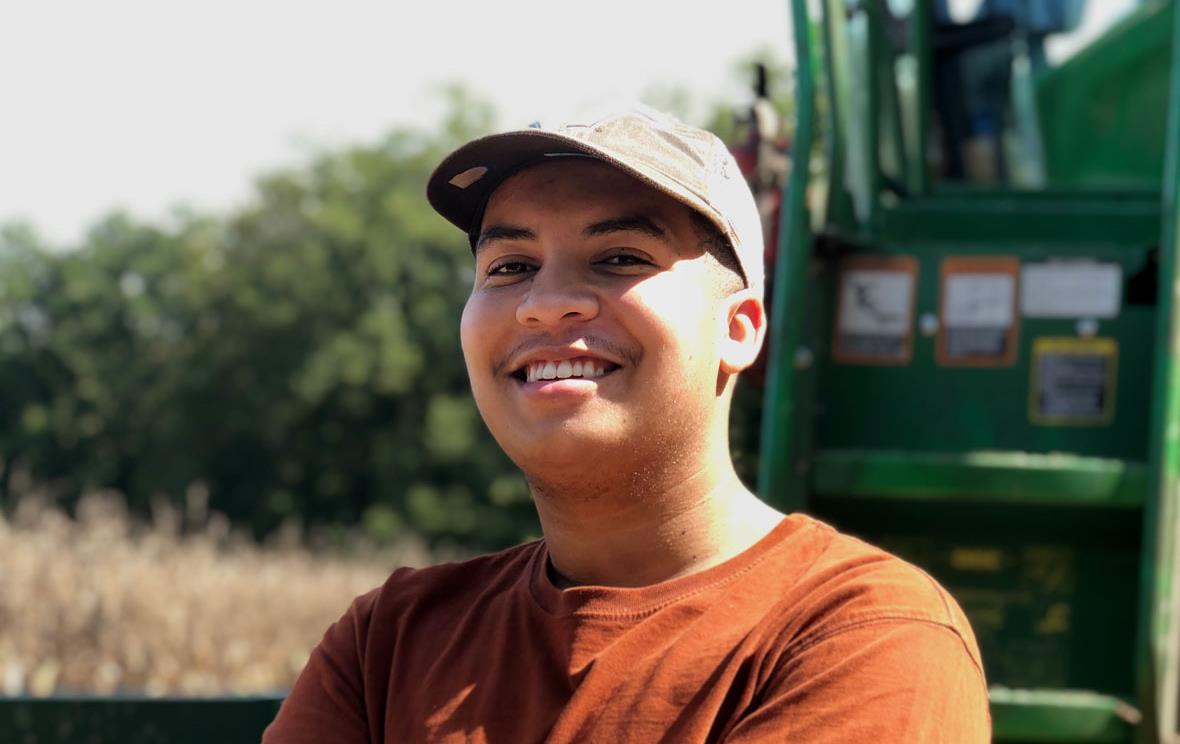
(101, 604)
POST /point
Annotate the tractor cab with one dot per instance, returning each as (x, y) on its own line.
(973, 359)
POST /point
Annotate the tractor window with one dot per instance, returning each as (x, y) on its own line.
(1018, 100)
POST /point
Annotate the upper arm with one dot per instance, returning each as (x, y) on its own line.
(327, 702)
(882, 681)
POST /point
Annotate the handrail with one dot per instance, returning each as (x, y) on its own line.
(836, 202)
(872, 77)
(1156, 642)
(921, 45)
(778, 481)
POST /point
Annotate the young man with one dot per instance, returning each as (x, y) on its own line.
(617, 295)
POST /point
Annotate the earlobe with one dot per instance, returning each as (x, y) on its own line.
(745, 332)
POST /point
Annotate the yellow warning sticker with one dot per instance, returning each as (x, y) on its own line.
(1073, 381)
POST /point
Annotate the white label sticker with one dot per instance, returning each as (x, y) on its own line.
(875, 302)
(978, 300)
(1071, 289)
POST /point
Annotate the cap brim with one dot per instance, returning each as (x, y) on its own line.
(686, 163)
(462, 202)
(460, 198)
(463, 182)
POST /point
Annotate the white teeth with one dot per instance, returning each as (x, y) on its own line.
(563, 369)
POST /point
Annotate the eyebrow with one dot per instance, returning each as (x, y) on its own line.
(502, 232)
(627, 223)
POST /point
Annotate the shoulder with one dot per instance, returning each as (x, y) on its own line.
(864, 647)
(456, 584)
(851, 584)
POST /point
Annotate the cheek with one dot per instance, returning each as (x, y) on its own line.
(474, 337)
(467, 334)
(682, 327)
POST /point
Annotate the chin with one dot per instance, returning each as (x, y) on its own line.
(558, 449)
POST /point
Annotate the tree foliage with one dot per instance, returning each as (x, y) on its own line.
(298, 358)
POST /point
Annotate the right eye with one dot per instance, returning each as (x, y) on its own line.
(510, 268)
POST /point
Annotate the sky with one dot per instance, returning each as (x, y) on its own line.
(145, 105)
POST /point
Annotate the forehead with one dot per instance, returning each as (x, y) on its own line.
(578, 188)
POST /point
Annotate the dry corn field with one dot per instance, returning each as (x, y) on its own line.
(100, 604)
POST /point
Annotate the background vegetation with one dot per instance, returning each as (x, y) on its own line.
(104, 603)
(215, 432)
(294, 361)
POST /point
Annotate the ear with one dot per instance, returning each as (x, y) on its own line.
(745, 330)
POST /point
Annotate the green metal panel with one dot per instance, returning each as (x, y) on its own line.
(997, 218)
(1050, 592)
(135, 720)
(1103, 110)
(904, 407)
(935, 462)
(1039, 717)
(1016, 477)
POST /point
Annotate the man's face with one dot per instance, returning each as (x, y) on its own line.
(595, 323)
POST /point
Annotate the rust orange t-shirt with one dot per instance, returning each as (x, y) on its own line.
(807, 636)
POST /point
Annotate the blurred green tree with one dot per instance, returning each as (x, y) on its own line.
(297, 359)
(300, 358)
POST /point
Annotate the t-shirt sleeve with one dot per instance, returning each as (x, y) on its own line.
(890, 681)
(327, 702)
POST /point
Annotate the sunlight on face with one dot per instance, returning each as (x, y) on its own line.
(579, 262)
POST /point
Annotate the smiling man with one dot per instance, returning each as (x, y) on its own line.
(617, 296)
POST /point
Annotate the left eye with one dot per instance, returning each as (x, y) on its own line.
(624, 259)
(509, 267)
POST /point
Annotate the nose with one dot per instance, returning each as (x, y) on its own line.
(556, 295)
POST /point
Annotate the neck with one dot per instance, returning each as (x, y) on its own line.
(650, 526)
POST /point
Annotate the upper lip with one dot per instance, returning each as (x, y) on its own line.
(556, 354)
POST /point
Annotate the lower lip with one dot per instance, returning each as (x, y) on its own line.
(570, 387)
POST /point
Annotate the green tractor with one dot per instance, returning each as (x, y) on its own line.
(974, 353)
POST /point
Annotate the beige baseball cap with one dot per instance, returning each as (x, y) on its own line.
(689, 164)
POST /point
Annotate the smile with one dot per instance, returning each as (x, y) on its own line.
(584, 368)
